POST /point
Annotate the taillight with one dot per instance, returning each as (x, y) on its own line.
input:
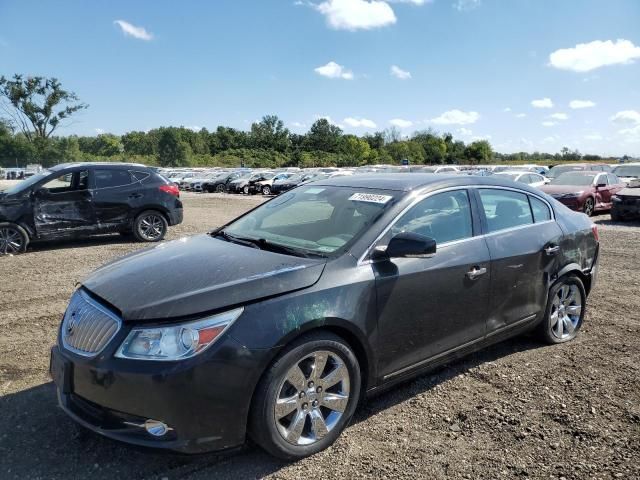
(594, 229)
(171, 189)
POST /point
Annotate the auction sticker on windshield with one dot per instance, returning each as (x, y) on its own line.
(370, 197)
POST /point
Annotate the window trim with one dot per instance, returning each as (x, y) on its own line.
(474, 199)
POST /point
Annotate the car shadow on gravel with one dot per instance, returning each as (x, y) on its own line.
(96, 241)
(422, 383)
(57, 447)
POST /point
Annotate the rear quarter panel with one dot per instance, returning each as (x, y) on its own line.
(578, 245)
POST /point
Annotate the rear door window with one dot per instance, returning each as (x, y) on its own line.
(505, 209)
(541, 212)
(112, 178)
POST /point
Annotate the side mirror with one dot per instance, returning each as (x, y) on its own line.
(41, 192)
(407, 245)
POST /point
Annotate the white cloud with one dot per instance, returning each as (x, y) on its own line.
(542, 103)
(521, 115)
(99, 131)
(194, 128)
(399, 73)
(575, 104)
(465, 132)
(593, 137)
(456, 117)
(359, 122)
(478, 138)
(506, 109)
(549, 123)
(466, 5)
(356, 14)
(132, 31)
(400, 123)
(334, 70)
(298, 125)
(628, 117)
(632, 134)
(585, 57)
(559, 116)
(550, 139)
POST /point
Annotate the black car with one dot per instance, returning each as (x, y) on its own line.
(277, 324)
(75, 200)
(625, 204)
(220, 183)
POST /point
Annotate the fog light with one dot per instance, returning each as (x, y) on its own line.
(156, 428)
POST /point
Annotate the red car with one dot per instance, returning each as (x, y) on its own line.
(584, 191)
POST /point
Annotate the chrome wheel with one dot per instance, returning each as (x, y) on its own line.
(266, 190)
(566, 311)
(312, 398)
(220, 188)
(11, 241)
(588, 206)
(151, 227)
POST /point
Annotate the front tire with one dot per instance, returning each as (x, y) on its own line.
(220, 188)
(588, 207)
(13, 239)
(245, 190)
(150, 226)
(306, 397)
(565, 310)
(266, 190)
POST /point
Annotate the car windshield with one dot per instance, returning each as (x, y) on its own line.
(574, 178)
(559, 169)
(311, 220)
(627, 171)
(23, 185)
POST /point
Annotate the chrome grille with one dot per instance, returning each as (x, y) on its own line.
(87, 326)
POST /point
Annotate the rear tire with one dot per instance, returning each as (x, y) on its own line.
(13, 239)
(565, 311)
(220, 188)
(150, 226)
(306, 397)
(266, 190)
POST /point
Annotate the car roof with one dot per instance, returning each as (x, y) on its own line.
(405, 182)
(63, 166)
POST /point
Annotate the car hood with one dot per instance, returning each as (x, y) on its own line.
(558, 189)
(197, 275)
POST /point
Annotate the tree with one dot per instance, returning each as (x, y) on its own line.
(323, 136)
(37, 105)
(356, 151)
(269, 133)
(479, 152)
(172, 151)
(435, 148)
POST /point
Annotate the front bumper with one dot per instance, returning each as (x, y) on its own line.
(205, 401)
(626, 208)
(573, 203)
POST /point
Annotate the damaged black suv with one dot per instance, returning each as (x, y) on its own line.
(76, 200)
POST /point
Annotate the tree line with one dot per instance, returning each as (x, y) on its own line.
(33, 108)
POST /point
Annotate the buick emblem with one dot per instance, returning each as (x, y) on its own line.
(71, 325)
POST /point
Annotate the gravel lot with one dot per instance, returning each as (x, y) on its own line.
(518, 409)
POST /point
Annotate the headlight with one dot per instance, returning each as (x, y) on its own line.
(177, 341)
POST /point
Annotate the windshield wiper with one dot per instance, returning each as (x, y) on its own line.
(278, 248)
(247, 242)
(264, 244)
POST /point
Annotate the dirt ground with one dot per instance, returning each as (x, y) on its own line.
(518, 409)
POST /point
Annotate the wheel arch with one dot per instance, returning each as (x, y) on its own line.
(574, 269)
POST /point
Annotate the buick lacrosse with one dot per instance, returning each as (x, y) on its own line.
(276, 325)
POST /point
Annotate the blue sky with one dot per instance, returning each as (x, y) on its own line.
(471, 67)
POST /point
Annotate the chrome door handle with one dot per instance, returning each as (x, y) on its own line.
(476, 272)
(552, 250)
